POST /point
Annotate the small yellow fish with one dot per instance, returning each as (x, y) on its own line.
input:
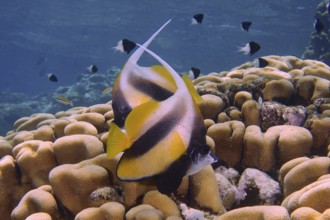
(63, 100)
(107, 91)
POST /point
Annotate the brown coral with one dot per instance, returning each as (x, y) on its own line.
(36, 159)
(161, 202)
(76, 148)
(36, 200)
(228, 139)
(133, 212)
(204, 190)
(211, 106)
(79, 180)
(80, 127)
(278, 144)
(256, 213)
(108, 211)
(11, 191)
(39, 215)
(314, 195)
(254, 118)
(300, 172)
(5, 147)
(306, 213)
(31, 123)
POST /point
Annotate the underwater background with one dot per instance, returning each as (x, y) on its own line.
(64, 38)
(265, 114)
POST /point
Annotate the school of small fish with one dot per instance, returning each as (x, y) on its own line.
(127, 46)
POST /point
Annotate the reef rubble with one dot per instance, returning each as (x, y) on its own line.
(269, 126)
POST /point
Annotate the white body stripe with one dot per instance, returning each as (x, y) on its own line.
(181, 97)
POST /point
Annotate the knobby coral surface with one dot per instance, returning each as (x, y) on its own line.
(269, 127)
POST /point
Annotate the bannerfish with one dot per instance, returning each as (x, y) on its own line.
(318, 25)
(193, 73)
(63, 100)
(136, 84)
(125, 45)
(197, 18)
(52, 77)
(164, 140)
(250, 48)
(261, 62)
(246, 25)
(92, 69)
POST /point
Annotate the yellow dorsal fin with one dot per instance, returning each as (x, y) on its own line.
(165, 74)
(137, 118)
(192, 89)
(117, 141)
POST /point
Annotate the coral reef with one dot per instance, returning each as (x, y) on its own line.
(269, 127)
(88, 90)
(319, 47)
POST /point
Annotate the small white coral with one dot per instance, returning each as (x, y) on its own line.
(269, 189)
(231, 174)
(190, 213)
(228, 191)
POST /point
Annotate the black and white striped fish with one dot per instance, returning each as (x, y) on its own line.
(136, 85)
(163, 139)
(250, 48)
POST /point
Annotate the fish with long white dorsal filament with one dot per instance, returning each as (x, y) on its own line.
(161, 139)
(136, 84)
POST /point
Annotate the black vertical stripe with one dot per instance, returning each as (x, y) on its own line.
(149, 88)
(156, 133)
(197, 143)
(169, 180)
(120, 107)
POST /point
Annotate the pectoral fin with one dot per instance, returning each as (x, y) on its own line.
(137, 118)
(117, 141)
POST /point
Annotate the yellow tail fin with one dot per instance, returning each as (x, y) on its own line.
(192, 89)
(117, 141)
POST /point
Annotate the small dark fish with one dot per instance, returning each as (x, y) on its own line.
(250, 48)
(318, 25)
(328, 7)
(125, 45)
(197, 18)
(52, 77)
(193, 73)
(92, 69)
(246, 25)
(262, 62)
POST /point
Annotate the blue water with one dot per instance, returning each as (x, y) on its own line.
(64, 37)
